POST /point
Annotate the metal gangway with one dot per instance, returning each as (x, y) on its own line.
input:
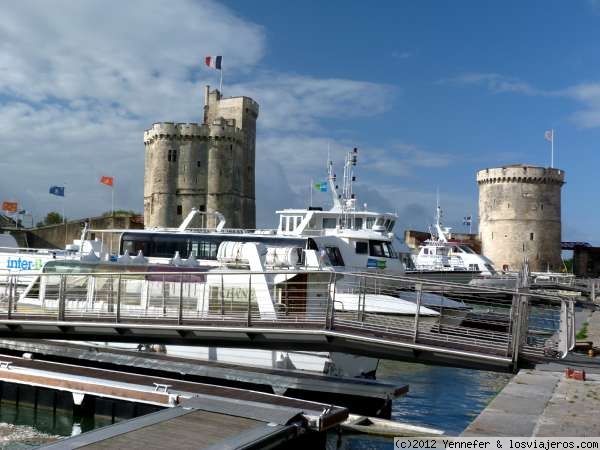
(309, 310)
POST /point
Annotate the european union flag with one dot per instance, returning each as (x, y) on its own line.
(57, 190)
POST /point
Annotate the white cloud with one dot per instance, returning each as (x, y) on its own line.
(585, 94)
(401, 159)
(80, 81)
(297, 103)
(589, 95)
(494, 82)
(401, 54)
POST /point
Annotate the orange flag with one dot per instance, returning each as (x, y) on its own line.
(109, 181)
(10, 206)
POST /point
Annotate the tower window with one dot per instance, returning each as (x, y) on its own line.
(174, 155)
(230, 146)
(492, 235)
(523, 246)
(541, 206)
(202, 208)
(508, 205)
(179, 210)
(169, 155)
(198, 164)
(531, 236)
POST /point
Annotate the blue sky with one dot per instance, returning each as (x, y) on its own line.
(429, 91)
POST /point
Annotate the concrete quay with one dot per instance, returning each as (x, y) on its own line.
(544, 402)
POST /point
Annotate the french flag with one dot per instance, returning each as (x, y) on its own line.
(213, 61)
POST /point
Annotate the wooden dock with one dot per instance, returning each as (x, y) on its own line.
(192, 415)
(360, 396)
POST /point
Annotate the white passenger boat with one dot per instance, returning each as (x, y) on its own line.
(24, 261)
(441, 257)
(272, 277)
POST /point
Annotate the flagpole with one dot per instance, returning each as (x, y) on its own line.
(311, 189)
(221, 80)
(552, 149)
(64, 218)
(112, 200)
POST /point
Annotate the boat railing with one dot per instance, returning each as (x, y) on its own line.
(363, 305)
(34, 251)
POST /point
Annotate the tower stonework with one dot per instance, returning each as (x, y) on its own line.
(208, 166)
(520, 215)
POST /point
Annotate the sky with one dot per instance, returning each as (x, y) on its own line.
(430, 92)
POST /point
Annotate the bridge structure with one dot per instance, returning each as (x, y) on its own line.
(308, 310)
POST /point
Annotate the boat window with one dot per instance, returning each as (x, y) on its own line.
(133, 244)
(204, 246)
(335, 256)
(329, 222)
(387, 224)
(391, 225)
(358, 222)
(380, 248)
(474, 267)
(379, 221)
(205, 249)
(490, 268)
(166, 246)
(370, 222)
(362, 248)
(426, 251)
(441, 251)
(455, 249)
(312, 245)
(467, 249)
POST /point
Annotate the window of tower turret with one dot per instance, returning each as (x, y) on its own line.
(531, 236)
(174, 155)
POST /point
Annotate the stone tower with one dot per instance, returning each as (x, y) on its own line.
(209, 166)
(519, 215)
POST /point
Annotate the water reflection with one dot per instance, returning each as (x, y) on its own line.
(441, 397)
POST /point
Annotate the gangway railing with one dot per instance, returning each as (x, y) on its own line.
(362, 313)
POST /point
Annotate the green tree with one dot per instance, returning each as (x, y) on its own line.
(52, 218)
(568, 265)
(122, 212)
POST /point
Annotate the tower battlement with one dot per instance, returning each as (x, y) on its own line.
(208, 166)
(520, 216)
(521, 174)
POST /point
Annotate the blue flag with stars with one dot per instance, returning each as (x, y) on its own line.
(57, 190)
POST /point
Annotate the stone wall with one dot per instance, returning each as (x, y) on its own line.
(586, 261)
(57, 236)
(520, 216)
(209, 166)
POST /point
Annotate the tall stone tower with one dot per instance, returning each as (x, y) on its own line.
(209, 166)
(520, 215)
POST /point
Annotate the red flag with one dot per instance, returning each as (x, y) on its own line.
(109, 181)
(10, 206)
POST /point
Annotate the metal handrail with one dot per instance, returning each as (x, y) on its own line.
(186, 297)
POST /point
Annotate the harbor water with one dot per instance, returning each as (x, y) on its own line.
(441, 397)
